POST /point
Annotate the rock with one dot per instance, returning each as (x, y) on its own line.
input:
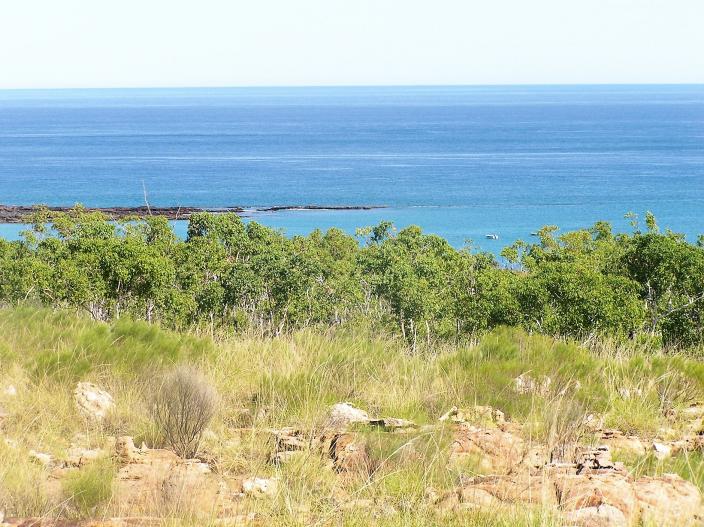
(188, 485)
(344, 414)
(613, 489)
(349, 454)
(523, 487)
(357, 503)
(288, 456)
(152, 479)
(41, 458)
(448, 502)
(77, 456)
(661, 450)
(525, 384)
(259, 487)
(93, 402)
(290, 439)
(477, 415)
(628, 393)
(668, 500)
(616, 440)
(490, 449)
(478, 497)
(595, 459)
(600, 516)
(695, 411)
(593, 423)
(394, 424)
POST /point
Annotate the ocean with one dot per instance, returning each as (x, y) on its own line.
(461, 162)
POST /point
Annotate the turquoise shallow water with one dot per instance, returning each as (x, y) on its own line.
(459, 161)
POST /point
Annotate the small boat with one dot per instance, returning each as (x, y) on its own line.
(533, 233)
(492, 236)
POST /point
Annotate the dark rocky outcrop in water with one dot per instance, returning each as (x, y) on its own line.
(19, 213)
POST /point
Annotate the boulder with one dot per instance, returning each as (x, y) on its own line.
(344, 414)
(93, 402)
(525, 384)
(259, 487)
(668, 500)
(288, 439)
(600, 516)
(534, 489)
(661, 450)
(612, 488)
(595, 459)
(151, 480)
(349, 454)
(491, 450)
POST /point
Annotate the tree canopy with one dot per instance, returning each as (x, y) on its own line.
(234, 275)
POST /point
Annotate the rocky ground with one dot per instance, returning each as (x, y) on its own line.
(576, 481)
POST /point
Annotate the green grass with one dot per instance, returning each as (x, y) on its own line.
(88, 490)
(59, 345)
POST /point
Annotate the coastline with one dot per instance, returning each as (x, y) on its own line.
(12, 214)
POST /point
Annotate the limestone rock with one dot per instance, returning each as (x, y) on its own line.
(149, 480)
(290, 439)
(187, 486)
(77, 456)
(259, 487)
(394, 424)
(525, 384)
(344, 414)
(661, 450)
(41, 458)
(593, 423)
(477, 415)
(93, 402)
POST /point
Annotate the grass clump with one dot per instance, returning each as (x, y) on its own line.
(89, 490)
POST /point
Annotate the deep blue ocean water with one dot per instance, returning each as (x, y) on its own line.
(458, 161)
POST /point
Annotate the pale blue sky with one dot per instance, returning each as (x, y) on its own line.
(119, 43)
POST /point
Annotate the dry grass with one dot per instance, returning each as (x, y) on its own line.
(292, 381)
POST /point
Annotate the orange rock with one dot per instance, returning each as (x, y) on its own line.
(668, 500)
(595, 490)
(494, 450)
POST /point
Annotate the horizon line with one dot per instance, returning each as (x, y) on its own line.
(333, 86)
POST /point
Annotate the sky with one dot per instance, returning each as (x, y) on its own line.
(163, 43)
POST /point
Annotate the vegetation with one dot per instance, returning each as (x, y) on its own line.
(398, 323)
(183, 406)
(230, 274)
(292, 380)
